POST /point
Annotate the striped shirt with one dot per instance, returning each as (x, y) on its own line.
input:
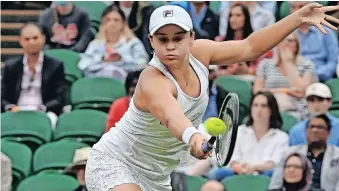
(273, 78)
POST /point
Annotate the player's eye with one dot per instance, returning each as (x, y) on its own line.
(163, 39)
(178, 39)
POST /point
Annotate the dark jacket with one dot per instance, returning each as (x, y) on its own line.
(52, 85)
(210, 24)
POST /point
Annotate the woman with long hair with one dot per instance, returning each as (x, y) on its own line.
(260, 142)
(116, 50)
(159, 131)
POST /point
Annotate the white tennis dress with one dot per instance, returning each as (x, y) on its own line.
(140, 149)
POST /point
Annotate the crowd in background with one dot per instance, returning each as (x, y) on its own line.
(288, 79)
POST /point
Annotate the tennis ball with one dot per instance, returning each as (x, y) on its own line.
(215, 126)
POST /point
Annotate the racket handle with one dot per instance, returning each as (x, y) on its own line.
(208, 146)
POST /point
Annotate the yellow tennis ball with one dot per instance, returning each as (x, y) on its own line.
(215, 126)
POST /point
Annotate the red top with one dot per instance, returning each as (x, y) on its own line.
(117, 110)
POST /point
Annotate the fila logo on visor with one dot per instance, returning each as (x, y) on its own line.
(168, 13)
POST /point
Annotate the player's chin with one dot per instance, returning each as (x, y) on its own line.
(171, 62)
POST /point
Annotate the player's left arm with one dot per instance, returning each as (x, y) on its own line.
(261, 41)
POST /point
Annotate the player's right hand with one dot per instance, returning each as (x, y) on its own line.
(195, 146)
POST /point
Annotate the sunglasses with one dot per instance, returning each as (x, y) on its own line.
(316, 98)
(292, 166)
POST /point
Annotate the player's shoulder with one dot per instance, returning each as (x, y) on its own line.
(202, 50)
(151, 77)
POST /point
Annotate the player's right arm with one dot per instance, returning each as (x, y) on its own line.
(157, 94)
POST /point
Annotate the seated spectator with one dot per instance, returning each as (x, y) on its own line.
(319, 100)
(297, 174)
(324, 158)
(260, 142)
(120, 106)
(287, 76)
(34, 80)
(138, 14)
(116, 51)
(321, 49)
(66, 27)
(205, 22)
(260, 17)
(78, 167)
(6, 173)
(240, 28)
(268, 5)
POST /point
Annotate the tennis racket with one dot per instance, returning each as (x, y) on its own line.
(225, 142)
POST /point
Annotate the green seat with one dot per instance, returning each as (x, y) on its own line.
(21, 158)
(48, 182)
(83, 125)
(194, 183)
(94, 9)
(246, 183)
(56, 155)
(95, 92)
(288, 122)
(32, 128)
(335, 113)
(70, 60)
(333, 84)
(240, 87)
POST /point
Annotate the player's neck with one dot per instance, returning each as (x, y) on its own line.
(180, 71)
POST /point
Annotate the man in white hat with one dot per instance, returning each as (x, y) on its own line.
(319, 100)
(78, 167)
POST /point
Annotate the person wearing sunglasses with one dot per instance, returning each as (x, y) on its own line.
(319, 100)
(324, 157)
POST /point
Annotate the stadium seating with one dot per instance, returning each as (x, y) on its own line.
(48, 182)
(32, 128)
(288, 122)
(240, 87)
(21, 157)
(94, 9)
(70, 59)
(96, 92)
(333, 84)
(55, 156)
(246, 183)
(194, 183)
(81, 125)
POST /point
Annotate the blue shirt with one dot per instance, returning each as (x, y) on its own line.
(322, 50)
(298, 132)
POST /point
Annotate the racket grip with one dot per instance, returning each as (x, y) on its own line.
(207, 147)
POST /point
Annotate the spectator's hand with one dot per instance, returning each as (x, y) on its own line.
(286, 55)
(15, 108)
(42, 108)
(248, 169)
(314, 14)
(219, 38)
(112, 56)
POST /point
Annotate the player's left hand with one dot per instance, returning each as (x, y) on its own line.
(314, 14)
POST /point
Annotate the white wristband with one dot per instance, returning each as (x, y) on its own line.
(188, 133)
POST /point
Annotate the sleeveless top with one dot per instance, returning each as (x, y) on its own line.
(147, 146)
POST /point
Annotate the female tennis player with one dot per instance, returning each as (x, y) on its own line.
(154, 135)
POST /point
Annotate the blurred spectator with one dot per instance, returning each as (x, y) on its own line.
(260, 143)
(65, 26)
(268, 5)
(78, 167)
(138, 14)
(6, 173)
(319, 48)
(287, 76)
(116, 51)
(34, 80)
(324, 158)
(260, 17)
(205, 22)
(297, 175)
(212, 186)
(319, 100)
(120, 106)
